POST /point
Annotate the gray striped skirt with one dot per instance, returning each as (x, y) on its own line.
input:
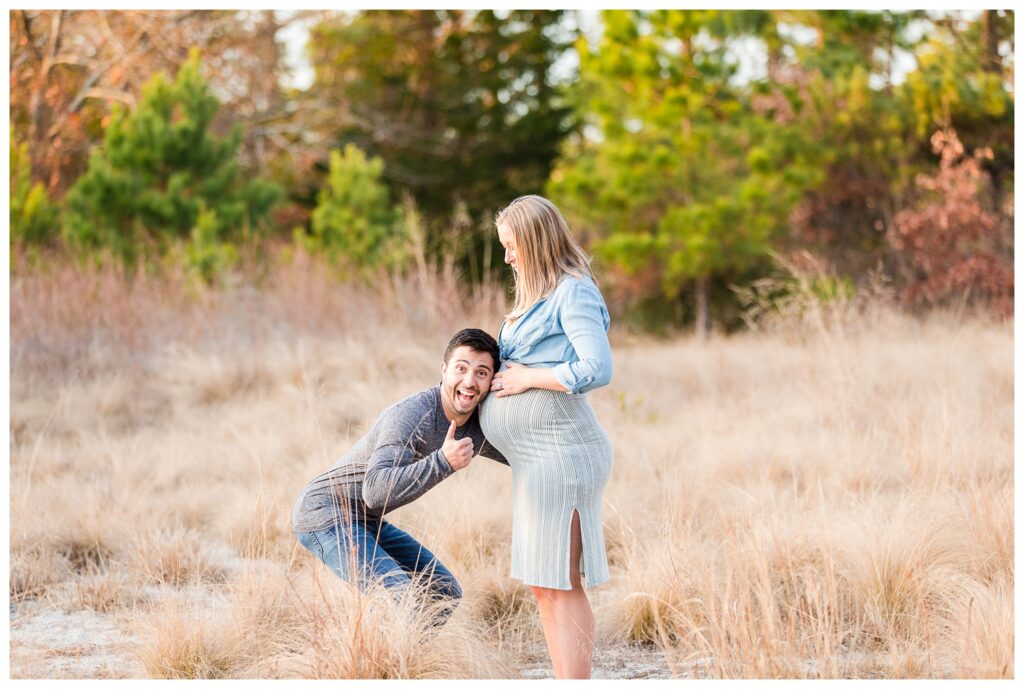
(560, 459)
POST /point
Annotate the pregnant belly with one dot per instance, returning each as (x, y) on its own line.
(534, 425)
(509, 422)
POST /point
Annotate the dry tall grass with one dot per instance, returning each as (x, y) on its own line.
(826, 499)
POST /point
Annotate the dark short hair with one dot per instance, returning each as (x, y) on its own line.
(477, 340)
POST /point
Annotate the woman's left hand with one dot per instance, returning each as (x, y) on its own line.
(514, 379)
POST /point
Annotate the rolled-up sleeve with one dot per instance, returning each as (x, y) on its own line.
(584, 320)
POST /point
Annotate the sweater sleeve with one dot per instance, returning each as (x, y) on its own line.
(584, 320)
(397, 472)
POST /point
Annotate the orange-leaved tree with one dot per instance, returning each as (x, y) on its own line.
(952, 245)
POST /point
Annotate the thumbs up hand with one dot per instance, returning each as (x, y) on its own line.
(457, 452)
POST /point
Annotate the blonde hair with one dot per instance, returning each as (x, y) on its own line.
(545, 250)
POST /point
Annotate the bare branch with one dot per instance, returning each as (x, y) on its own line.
(55, 27)
(26, 24)
(72, 59)
(110, 94)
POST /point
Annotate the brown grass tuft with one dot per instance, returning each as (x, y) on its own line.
(181, 643)
(175, 557)
(34, 571)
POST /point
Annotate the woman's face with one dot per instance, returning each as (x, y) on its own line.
(508, 241)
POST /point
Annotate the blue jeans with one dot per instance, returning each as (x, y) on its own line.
(383, 552)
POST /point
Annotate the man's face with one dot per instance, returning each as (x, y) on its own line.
(466, 378)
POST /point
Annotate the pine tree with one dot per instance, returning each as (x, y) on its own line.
(459, 105)
(687, 181)
(158, 170)
(354, 224)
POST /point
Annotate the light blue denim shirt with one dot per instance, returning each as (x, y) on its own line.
(567, 332)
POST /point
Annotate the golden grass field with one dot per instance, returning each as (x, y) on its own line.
(828, 497)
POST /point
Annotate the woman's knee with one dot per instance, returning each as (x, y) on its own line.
(558, 597)
(541, 593)
(554, 596)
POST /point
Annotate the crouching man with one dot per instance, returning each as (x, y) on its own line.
(413, 445)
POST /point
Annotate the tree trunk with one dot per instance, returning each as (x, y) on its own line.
(701, 324)
(891, 59)
(36, 101)
(992, 63)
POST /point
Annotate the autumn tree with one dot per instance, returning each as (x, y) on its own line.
(952, 244)
(877, 126)
(68, 68)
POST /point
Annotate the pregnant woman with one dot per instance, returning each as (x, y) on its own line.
(554, 349)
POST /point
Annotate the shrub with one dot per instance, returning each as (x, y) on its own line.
(354, 224)
(34, 219)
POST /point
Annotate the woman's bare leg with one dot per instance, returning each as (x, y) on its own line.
(567, 619)
(545, 604)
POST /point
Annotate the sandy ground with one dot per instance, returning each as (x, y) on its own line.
(47, 643)
(619, 661)
(53, 644)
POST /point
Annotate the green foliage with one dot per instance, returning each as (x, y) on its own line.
(158, 171)
(687, 180)
(679, 171)
(34, 219)
(354, 224)
(461, 106)
(693, 175)
(206, 256)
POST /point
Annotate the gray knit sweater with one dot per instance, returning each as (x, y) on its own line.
(397, 461)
